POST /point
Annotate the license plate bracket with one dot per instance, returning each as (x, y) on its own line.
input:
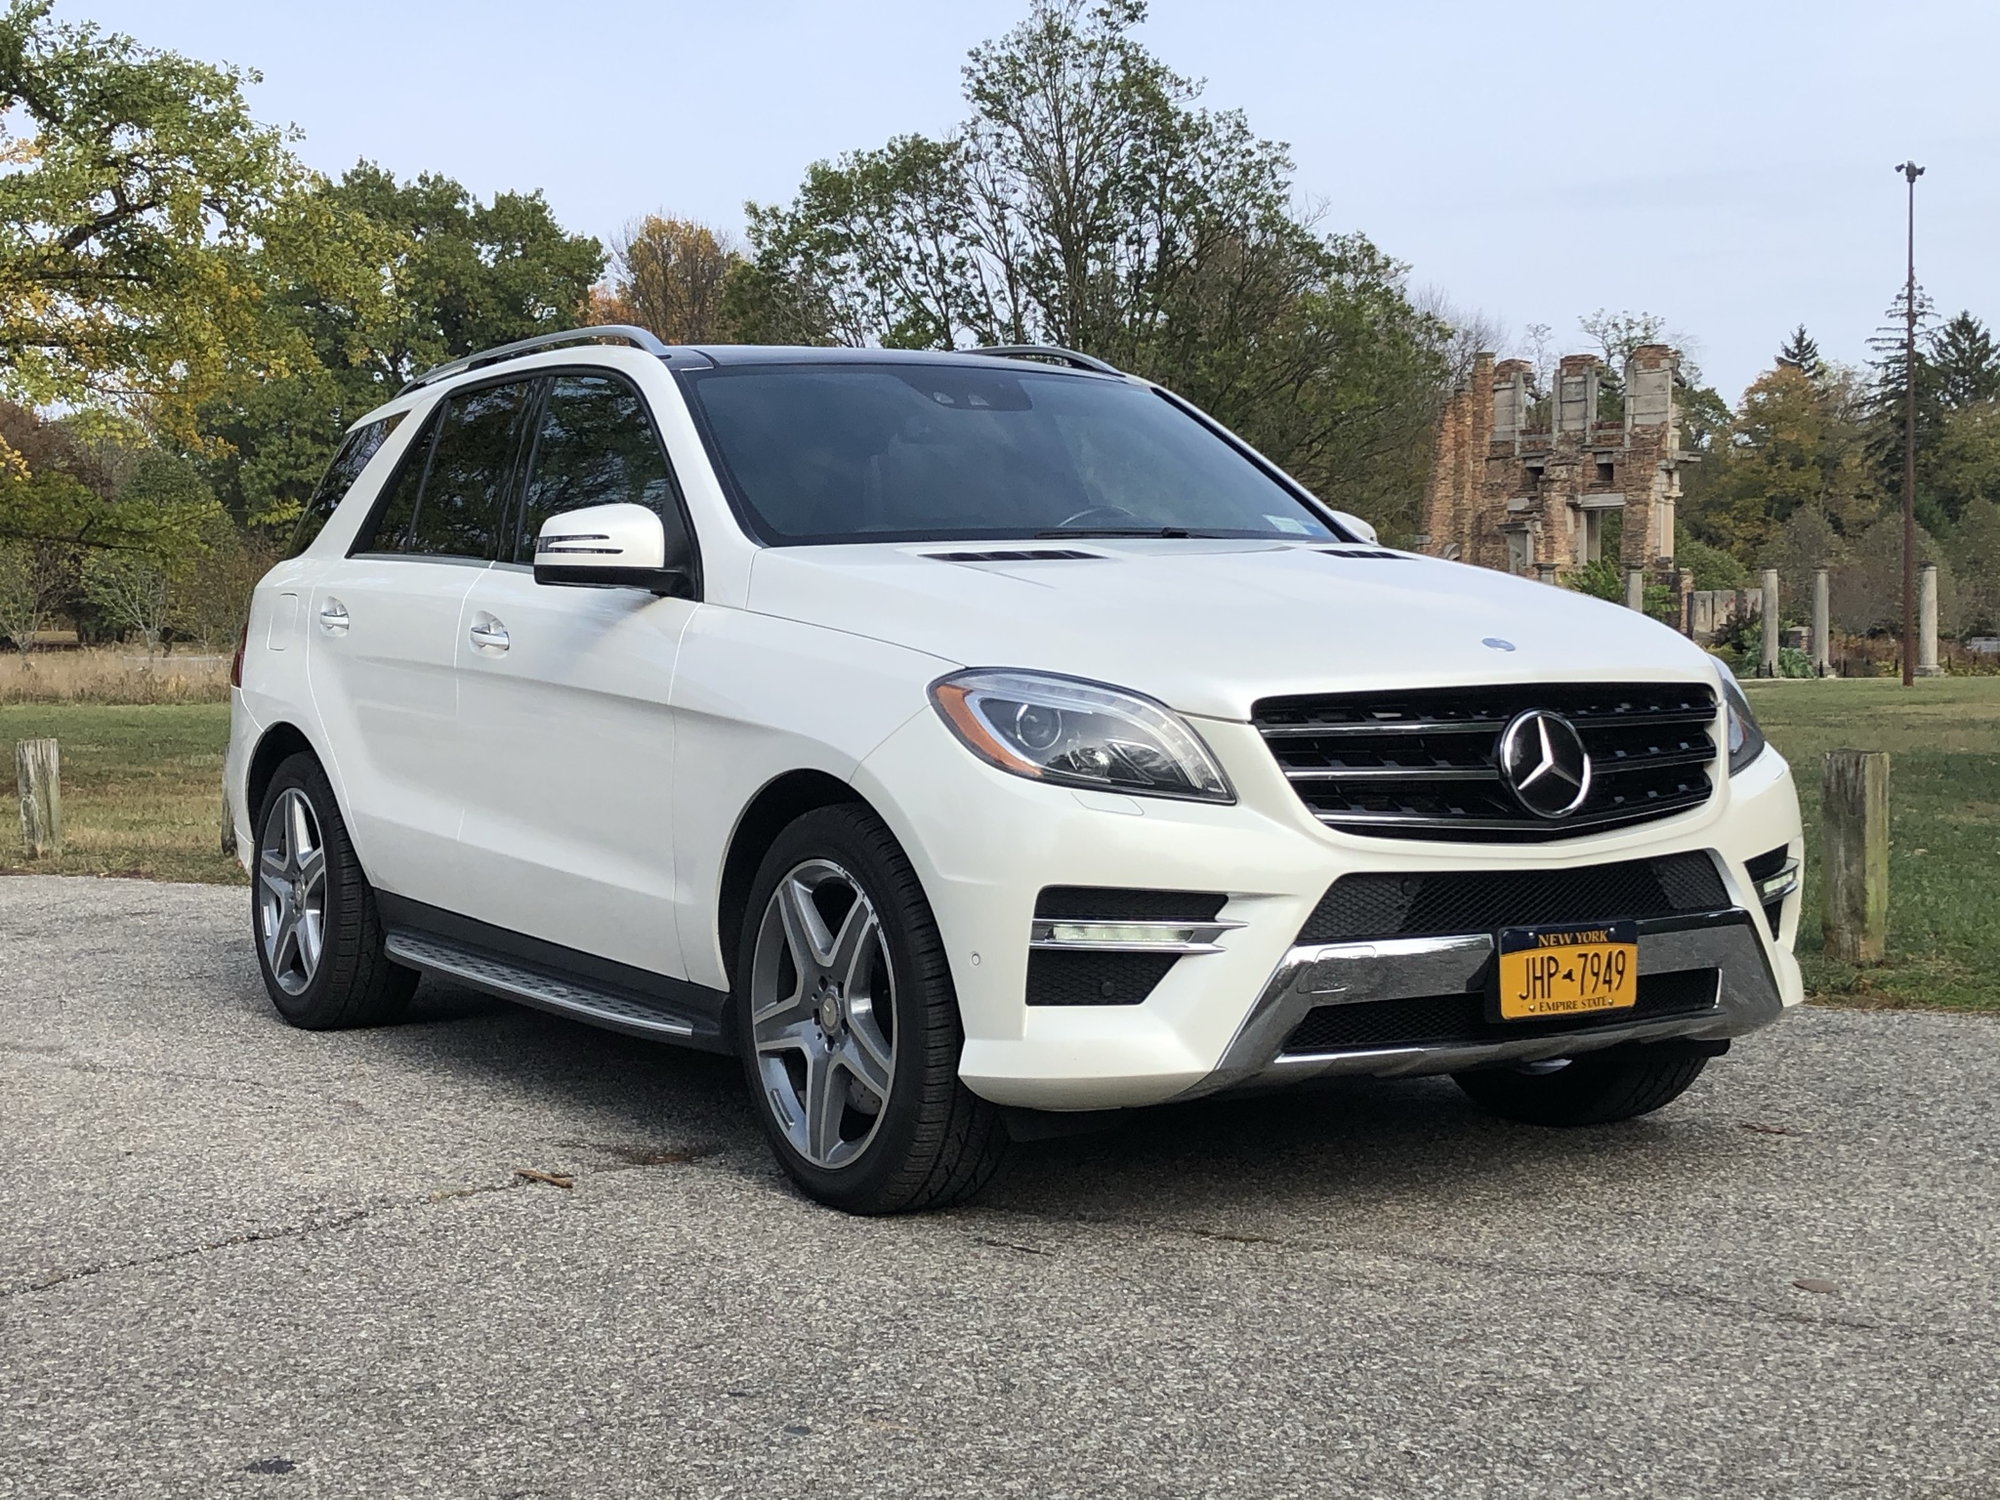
(1551, 973)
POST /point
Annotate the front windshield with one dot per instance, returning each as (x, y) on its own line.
(914, 452)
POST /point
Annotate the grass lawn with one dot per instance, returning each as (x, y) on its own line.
(1943, 739)
(142, 796)
(142, 789)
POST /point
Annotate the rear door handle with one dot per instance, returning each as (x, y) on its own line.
(333, 617)
(488, 633)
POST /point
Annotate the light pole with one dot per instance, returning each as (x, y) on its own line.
(1911, 172)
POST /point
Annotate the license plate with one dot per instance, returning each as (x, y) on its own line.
(1568, 971)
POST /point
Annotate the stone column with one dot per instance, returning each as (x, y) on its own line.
(1635, 590)
(1768, 667)
(1822, 626)
(1927, 658)
(1546, 572)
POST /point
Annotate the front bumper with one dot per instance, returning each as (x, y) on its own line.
(985, 844)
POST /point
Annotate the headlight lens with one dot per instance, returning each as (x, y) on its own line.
(1077, 733)
(1746, 740)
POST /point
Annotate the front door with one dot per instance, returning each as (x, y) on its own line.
(563, 705)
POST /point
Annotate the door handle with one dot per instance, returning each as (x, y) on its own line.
(333, 617)
(488, 633)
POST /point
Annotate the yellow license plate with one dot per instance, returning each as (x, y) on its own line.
(1568, 971)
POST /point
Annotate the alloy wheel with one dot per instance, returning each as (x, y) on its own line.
(291, 891)
(822, 1013)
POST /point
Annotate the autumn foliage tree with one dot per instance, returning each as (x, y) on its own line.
(668, 276)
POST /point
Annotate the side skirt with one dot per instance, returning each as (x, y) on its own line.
(550, 977)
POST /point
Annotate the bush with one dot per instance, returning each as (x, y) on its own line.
(1713, 568)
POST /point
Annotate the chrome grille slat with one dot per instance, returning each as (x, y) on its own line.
(1424, 764)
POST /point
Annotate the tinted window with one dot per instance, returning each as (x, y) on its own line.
(918, 452)
(471, 462)
(596, 447)
(389, 531)
(360, 445)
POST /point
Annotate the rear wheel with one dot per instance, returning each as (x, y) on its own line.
(849, 1025)
(318, 935)
(1619, 1083)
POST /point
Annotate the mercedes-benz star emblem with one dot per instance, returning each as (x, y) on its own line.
(1543, 760)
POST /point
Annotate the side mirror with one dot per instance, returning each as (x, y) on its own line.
(608, 546)
(1352, 523)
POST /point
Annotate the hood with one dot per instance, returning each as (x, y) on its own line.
(1209, 627)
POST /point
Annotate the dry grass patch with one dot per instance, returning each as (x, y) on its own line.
(102, 674)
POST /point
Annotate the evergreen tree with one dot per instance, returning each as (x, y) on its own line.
(1801, 352)
(1968, 363)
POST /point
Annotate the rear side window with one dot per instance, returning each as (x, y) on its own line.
(596, 446)
(360, 445)
(450, 495)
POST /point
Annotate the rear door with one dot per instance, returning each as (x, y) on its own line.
(384, 625)
(563, 702)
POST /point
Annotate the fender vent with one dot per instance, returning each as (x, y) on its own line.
(1040, 554)
(1360, 552)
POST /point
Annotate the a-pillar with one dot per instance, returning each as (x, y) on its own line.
(1822, 626)
(1768, 667)
(1927, 657)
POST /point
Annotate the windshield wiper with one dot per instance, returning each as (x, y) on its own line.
(1170, 532)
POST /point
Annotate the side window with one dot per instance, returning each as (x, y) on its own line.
(360, 445)
(596, 447)
(449, 496)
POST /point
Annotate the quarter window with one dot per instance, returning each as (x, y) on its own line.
(597, 447)
(359, 446)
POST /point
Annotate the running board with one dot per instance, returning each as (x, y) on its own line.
(565, 997)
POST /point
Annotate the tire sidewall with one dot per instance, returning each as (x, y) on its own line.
(835, 833)
(301, 773)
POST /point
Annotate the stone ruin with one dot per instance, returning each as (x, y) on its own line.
(1524, 484)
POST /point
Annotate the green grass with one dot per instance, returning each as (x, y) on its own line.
(142, 797)
(1943, 739)
(142, 789)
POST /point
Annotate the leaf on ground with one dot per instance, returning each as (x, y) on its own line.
(1815, 1284)
(553, 1179)
(1767, 1129)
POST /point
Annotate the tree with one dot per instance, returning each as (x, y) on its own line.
(395, 277)
(135, 186)
(667, 275)
(1090, 201)
(1967, 363)
(1801, 353)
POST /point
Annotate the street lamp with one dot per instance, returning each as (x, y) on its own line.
(1911, 172)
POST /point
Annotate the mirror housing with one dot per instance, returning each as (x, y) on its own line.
(609, 546)
(1359, 527)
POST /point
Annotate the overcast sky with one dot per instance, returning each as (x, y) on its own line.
(1728, 166)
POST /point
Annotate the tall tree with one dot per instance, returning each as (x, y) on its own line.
(1801, 353)
(1967, 362)
(133, 185)
(1090, 201)
(667, 275)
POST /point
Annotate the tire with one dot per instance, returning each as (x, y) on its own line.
(325, 968)
(1598, 1088)
(848, 1025)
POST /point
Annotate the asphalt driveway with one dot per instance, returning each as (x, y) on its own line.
(237, 1259)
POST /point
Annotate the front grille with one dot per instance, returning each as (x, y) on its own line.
(1425, 764)
(1446, 1020)
(1360, 907)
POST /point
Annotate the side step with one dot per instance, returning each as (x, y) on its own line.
(610, 1009)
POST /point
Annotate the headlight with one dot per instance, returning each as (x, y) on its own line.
(1077, 733)
(1746, 740)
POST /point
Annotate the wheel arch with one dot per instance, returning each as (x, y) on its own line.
(278, 744)
(781, 802)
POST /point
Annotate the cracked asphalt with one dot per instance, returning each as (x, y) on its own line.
(237, 1259)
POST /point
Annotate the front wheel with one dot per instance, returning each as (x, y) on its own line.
(849, 1026)
(1598, 1088)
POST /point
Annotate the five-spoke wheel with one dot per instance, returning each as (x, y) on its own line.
(291, 891)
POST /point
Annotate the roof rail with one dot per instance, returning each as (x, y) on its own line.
(1051, 352)
(639, 338)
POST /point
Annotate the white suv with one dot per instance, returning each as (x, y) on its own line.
(962, 739)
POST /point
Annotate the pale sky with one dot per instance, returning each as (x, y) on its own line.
(1729, 166)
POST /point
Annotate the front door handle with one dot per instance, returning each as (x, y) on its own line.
(488, 633)
(333, 617)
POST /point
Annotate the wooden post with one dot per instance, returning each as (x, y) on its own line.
(38, 769)
(1854, 816)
